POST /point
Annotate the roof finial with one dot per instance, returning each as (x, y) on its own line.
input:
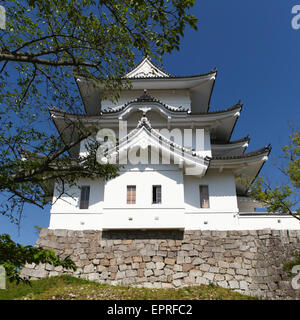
(144, 122)
(145, 96)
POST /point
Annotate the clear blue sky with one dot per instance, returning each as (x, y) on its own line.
(256, 51)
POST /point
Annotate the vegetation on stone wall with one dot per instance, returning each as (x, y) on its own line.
(288, 266)
(14, 256)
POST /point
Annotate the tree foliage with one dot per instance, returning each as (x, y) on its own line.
(44, 45)
(283, 198)
(14, 256)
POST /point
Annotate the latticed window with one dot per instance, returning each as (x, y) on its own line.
(84, 197)
(131, 194)
(156, 194)
(204, 196)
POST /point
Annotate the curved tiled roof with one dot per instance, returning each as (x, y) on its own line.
(177, 77)
(238, 105)
(168, 75)
(266, 149)
(145, 97)
(245, 139)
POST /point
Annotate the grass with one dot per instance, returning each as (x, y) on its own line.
(70, 288)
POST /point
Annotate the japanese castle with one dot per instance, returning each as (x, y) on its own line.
(179, 168)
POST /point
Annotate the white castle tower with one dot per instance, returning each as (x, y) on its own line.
(179, 165)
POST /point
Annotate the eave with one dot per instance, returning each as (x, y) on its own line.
(232, 148)
(67, 128)
(171, 82)
(246, 166)
(220, 123)
(91, 95)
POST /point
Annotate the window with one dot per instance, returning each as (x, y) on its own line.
(204, 197)
(156, 194)
(131, 194)
(84, 197)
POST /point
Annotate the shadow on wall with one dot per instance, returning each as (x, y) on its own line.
(140, 234)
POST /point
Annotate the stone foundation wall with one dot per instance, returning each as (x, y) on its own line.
(246, 261)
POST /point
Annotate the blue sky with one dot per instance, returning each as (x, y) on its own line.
(256, 51)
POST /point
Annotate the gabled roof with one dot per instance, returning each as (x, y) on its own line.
(144, 136)
(146, 69)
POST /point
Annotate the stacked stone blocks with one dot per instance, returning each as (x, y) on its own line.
(249, 262)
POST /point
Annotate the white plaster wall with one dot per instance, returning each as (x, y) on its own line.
(108, 203)
(141, 218)
(222, 192)
(170, 219)
(66, 214)
(201, 142)
(179, 208)
(232, 221)
(76, 221)
(210, 221)
(69, 201)
(170, 178)
(268, 221)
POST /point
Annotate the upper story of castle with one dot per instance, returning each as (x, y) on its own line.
(168, 101)
(191, 93)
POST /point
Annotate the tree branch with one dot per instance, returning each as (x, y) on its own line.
(29, 58)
